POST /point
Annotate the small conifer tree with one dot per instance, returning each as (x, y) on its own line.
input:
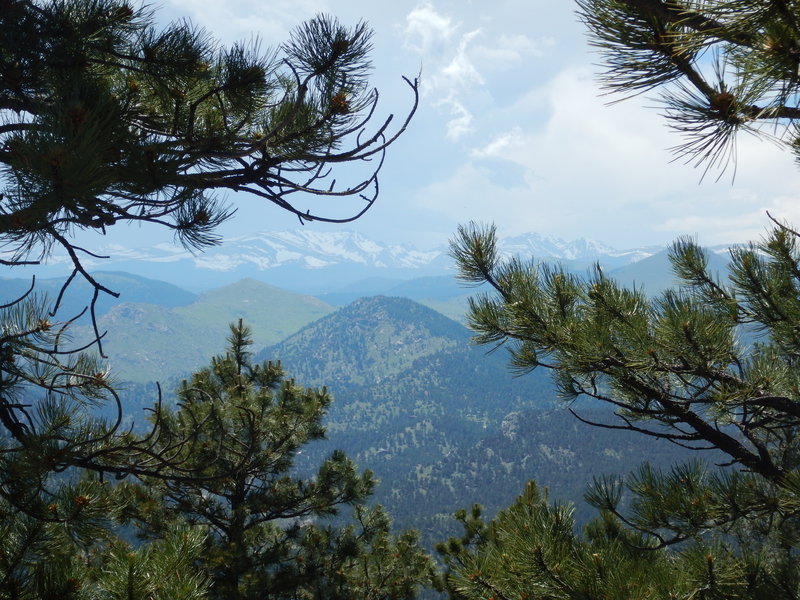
(266, 524)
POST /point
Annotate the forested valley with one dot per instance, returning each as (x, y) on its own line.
(441, 423)
(558, 433)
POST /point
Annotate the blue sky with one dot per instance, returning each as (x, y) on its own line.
(512, 129)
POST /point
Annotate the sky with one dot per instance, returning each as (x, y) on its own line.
(513, 129)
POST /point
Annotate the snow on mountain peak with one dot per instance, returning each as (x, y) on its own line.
(306, 249)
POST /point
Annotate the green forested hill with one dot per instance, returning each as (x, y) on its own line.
(131, 288)
(272, 313)
(152, 342)
(442, 423)
(366, 341)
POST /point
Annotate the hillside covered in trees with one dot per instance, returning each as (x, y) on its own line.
(275, 470)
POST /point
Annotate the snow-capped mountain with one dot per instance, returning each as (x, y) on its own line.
(580, 250)
(307, 259)
(314, 250)
(272, 250)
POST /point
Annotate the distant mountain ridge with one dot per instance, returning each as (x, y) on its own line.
(578, 250)
(131, 288)
(151, 342)
(311, 261)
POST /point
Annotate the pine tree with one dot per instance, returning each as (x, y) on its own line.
(709, 365)
(74, 553)
(531, 550)
(721, 67)
(108, 119)
(266, 524)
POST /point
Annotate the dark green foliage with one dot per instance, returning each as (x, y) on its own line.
(247, 424)
(708, 365)
(423, 490)
(531, 550)
(73, 553)
(224, 514)
(46, 407)
(721, 67)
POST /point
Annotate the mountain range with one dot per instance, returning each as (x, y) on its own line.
(317, 262)
(150, 341)
(442, 423)
(161, 327)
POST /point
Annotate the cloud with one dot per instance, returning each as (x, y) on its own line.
(458, 61)
(511, 50)
(460, 72)
(233, 21)
(447, 65)
(461, 123)
(458, 65)
(724, 226)
(579, 134)
(504, 146)
(427, 32)
(589, 169)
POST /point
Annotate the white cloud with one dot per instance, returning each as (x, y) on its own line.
(725, 226)
(504, 145)
(588, 169)
(580, 135)
(511, 50)
(468, 194)
(461, 123)
(453, 60)
(460, 72)
(460, 65)
(426, 31)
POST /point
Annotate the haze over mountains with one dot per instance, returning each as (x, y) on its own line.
(441, 422)
(165, 327)
(318, 262)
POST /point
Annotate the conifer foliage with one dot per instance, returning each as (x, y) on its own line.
(263, 521)
(107, 119)
(721, 67)
(531, 550)
(708, 365)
